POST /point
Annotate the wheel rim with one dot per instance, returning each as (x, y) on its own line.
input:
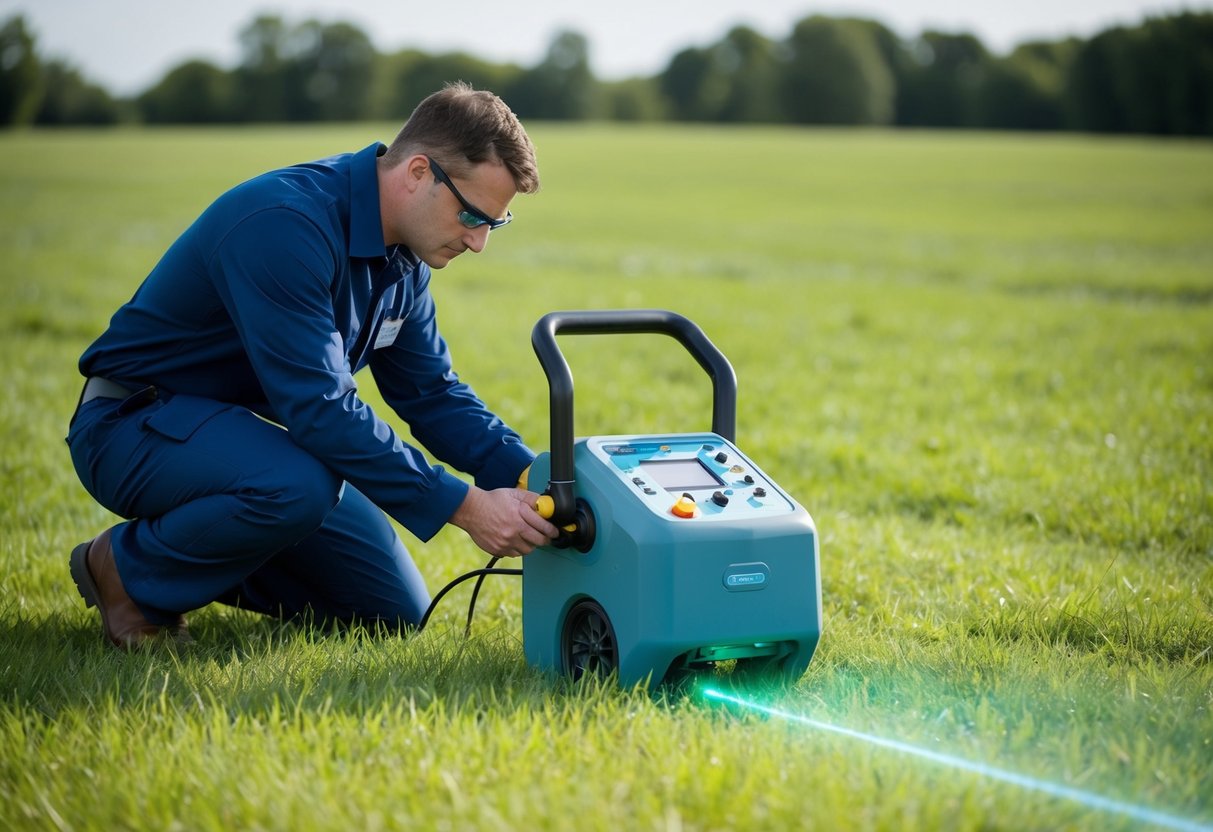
(588, 642)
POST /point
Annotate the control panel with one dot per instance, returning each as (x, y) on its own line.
(690, 477)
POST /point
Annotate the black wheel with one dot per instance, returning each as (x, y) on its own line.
(587, 643)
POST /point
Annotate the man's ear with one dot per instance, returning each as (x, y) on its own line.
(415, 170)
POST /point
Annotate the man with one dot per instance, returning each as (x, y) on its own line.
(220, 411)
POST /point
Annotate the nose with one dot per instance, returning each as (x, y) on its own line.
(476, 238)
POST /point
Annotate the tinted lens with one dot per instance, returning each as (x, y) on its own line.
(469, 220)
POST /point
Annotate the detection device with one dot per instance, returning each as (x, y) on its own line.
(678, 553)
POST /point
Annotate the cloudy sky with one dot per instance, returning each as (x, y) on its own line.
(126, 45)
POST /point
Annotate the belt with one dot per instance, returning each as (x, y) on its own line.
(132, 398)
(103, 388)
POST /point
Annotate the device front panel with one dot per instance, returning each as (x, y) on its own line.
(691, 477)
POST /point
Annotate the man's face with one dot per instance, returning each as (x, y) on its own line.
(438, 235)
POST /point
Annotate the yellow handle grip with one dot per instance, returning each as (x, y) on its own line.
(545, 507)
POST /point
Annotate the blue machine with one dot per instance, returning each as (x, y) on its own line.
(678, 552)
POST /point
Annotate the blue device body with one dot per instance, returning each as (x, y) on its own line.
(698, 557)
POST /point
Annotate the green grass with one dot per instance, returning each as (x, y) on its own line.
(982, 362)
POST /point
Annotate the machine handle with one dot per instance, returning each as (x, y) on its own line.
(618, 322)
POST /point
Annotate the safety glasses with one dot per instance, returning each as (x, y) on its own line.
(470, 216)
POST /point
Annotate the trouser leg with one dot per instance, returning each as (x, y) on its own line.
(215, 493)
(353, 568)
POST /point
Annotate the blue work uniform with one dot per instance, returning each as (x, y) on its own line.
(256, 475)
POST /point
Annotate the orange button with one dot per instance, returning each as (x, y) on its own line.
(685, 507)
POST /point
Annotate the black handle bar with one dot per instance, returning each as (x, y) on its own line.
(619, 321)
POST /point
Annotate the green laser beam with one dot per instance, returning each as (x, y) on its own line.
(1089, 799)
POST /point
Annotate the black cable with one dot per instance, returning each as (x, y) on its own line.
(473, 574)
(467, 630)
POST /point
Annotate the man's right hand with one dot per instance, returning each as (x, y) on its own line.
(503, 522)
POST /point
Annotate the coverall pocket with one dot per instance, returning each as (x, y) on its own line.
(181, 415)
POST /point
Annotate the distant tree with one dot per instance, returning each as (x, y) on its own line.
(943, 86)
(752, 64)
(195, 92)
(561, 86)
(694, 85)
(892, 48)
(1154, 78)
(633, 99)
(312, 71)
(259, 85)
(328, 70)
(19, 73)
(409, 76)
(733, 80)
(1024, 91)
(391, 69)
(836, 74)
(1092, 96)
(67, 98)
(1181, 62)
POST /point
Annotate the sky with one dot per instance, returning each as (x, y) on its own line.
(128, 45)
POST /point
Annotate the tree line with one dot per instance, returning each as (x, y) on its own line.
(1153, 78)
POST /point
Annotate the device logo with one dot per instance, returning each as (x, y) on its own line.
(746, 577)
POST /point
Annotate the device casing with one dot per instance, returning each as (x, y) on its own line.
(734, 582)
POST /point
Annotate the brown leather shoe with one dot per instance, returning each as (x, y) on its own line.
(96, 576)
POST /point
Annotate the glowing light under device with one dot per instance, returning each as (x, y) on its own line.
(1094, 801)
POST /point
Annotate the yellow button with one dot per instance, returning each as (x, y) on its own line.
(685, 507)
(545, 506)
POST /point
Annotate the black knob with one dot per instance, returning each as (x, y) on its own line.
(722, 457)
(760, 492)
(719, 499)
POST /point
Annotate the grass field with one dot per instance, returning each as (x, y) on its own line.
(982, 362)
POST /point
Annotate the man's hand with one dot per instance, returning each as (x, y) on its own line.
(503, 522)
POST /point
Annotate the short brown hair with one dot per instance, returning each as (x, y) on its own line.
(460, 127)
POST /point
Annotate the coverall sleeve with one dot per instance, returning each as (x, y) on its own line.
(280, 300)
(416, 379)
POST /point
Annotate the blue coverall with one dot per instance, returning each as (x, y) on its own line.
(257, 476)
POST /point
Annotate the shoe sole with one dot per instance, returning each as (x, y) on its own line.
(85, 584)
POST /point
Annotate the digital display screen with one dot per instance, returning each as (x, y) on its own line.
(680, 474)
